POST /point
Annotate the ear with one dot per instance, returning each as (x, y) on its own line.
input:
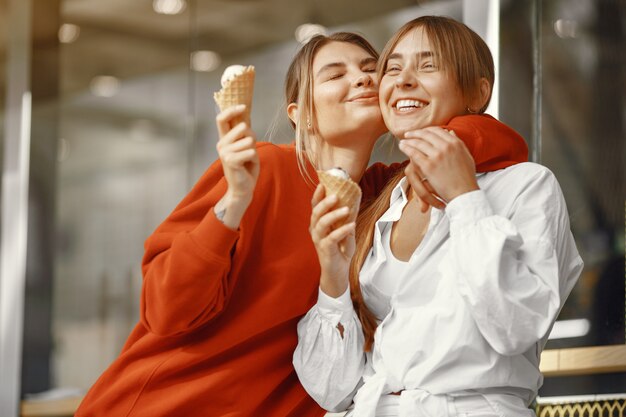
(485, 92)
(292, 112)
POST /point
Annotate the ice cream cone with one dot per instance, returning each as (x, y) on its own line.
(237, 90)
(347, 191)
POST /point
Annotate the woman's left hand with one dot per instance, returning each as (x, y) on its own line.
(442, 160)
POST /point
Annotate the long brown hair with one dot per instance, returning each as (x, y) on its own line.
(466, 58)
(299, 90)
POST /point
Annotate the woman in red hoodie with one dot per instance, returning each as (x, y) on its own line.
(232, 269)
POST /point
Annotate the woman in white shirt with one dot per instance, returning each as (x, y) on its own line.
(446, 306)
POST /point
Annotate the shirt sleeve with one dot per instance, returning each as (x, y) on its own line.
(187, 262)
(330, 365)
(514, 272)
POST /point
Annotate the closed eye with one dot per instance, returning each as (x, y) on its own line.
(428, 66)
(392, 69)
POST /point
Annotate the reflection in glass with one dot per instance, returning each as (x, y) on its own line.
(580, 137)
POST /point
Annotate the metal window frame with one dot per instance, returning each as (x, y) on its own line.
(14, 217)
(483, 16)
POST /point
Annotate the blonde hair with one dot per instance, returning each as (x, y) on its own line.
(466, 58)
(299, 90)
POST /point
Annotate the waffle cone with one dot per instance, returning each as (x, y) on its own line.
(238, 90)
(347, 191)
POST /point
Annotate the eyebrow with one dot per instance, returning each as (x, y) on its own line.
(420, 55)
(363, 62)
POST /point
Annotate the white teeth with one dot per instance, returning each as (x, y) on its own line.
(409, 104)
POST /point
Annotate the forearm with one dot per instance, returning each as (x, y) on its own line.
(332, 286)
(230, 209)
(188, 282)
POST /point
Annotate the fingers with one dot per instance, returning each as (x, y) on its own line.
(441, 141)
(247, 142)
(324, 214)
(237, 146)
(338, 235)
(425, 148)
(432, 134)
(419, 160)
(240, 158)
(323, 206)
(339, 240)
(325, 224)
(318, 195)
(241, 130)
(225, 118)
(426, 194)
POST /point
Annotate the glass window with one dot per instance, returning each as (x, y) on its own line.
(123, 163)
(562, 66)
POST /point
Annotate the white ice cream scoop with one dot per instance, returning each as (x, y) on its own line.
(338, 172)
(231, 72)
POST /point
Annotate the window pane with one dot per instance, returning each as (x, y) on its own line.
(123, 159)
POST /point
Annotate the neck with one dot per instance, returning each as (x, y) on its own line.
(353, 158)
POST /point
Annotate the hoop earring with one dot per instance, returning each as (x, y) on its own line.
(470, 111)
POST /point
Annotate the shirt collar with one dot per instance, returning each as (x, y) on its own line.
(397, 201)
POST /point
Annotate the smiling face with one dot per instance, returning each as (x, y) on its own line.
(345, 93)
(415, 92)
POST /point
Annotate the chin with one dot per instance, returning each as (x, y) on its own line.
(399, 131)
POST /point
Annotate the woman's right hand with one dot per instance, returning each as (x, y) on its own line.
(240, 160)
(335, 247)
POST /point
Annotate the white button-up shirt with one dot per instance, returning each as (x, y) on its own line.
(471, 310)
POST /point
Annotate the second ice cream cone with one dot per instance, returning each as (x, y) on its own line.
(347, 191)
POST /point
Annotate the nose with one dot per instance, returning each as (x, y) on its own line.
(364, 80)
(406, 79)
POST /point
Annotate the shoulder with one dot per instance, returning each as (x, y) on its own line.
(278, 166)
(276, 159)
(476, 121)
(528, 172)
(525, 185)
(272, 152)
(482, 125)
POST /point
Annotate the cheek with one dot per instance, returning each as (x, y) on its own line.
(321, 104)
(384, 92)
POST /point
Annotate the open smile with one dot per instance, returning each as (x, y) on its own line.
(408, 105)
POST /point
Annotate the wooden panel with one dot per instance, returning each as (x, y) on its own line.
(583, 361)
(54, 408)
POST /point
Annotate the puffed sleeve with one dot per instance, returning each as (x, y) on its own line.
(330, 362)
(514, 271)
(187, 260)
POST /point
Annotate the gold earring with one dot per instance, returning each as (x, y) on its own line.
(470, 111)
